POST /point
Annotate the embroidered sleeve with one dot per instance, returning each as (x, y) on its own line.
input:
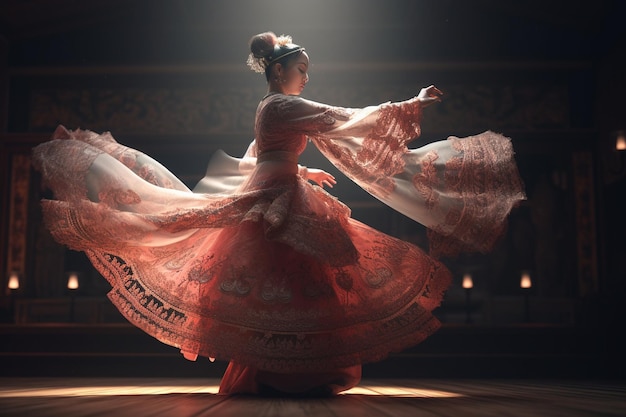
(289, 115)
(370, 146)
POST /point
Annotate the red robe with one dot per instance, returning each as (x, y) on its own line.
(258, 266)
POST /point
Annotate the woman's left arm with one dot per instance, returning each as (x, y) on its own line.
(320, 177)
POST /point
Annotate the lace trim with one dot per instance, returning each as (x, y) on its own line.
(75, 157)
(484, 176)
(383, 149)
(381, 155)
(298, 349)
(327, 239)
(426, 181)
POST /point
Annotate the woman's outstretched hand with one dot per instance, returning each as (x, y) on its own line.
(429, 95)
(321, 177)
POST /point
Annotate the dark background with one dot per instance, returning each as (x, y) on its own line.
(169, 78)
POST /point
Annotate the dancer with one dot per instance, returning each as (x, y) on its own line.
(262, 268)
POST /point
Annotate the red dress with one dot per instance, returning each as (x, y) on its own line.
(261, 268)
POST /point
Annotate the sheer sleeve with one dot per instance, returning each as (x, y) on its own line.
(367, 144)
(293, 115)
(461, 189)
(378, 134)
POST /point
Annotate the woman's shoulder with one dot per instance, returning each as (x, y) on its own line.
(278, 99)
(309, 116)
(290, 105)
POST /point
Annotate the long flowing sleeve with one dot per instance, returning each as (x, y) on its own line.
(461, 189)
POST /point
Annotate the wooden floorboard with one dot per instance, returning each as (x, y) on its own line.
(176, 397)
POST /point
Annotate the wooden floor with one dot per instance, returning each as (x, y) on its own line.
(132, 397)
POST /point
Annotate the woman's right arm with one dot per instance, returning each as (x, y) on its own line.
(399, 121)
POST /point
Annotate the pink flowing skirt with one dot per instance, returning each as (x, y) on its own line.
(277, 277)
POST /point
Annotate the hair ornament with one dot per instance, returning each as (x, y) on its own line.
(282, 46)
(257, 64)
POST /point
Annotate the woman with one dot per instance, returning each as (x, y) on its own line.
(260, 267)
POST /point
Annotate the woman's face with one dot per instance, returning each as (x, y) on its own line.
(295, 75)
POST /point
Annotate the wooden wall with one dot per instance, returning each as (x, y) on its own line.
(181, 115)
(180, 92)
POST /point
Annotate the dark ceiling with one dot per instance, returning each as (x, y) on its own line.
(50, 32)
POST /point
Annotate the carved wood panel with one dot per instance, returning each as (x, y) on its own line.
(213, 110)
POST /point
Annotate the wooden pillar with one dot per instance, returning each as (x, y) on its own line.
(4, 84)
(4, 158)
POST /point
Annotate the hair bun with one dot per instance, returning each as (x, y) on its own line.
(262, 45)
(266, 47)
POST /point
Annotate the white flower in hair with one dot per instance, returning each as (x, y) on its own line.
(283, 40)
(259, 63)
(256, 64)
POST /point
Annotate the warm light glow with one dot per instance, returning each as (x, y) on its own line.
(400, 391)
(620, 143)
(147, 388)
(72, 282)
(525, 282)
(105, 390)
(14, 281)
(467, 281)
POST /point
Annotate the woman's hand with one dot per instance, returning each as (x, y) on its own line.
(429, 95)
(320, 177)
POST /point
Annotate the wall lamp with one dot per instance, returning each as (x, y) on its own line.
(618, 138)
